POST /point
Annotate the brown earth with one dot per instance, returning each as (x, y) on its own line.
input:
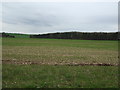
(28, 62)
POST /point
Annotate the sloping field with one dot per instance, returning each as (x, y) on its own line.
(55, 51)
(50, 57)
(19, 35)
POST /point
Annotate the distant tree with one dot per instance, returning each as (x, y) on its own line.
(80, 35)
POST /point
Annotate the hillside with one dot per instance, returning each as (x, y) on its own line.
(15, 35)
(80, 35)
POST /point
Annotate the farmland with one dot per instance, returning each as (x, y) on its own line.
(56, 63)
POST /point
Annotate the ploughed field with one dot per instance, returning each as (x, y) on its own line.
(61, 63)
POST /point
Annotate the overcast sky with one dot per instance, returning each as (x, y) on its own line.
(49, 17)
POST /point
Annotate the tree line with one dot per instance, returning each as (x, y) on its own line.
(80, 35)
(6, 35)
(73, 35)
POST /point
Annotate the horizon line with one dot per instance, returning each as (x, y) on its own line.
(62, 32)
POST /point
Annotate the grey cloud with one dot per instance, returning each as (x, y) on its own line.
(41, 20)
(106, 20)
(51, 17)
(13, 14)
(34, 20)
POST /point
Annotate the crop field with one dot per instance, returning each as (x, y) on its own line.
(19, 35)
(59, 63)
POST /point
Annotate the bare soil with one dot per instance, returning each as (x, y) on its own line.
(28, 62)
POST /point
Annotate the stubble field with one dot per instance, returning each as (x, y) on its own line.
(57, 63)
